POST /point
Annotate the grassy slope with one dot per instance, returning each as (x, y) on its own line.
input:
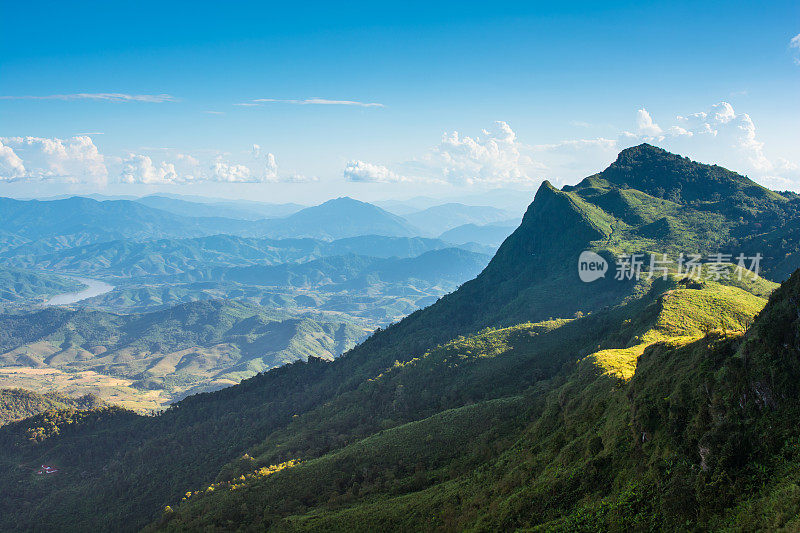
(534, 453)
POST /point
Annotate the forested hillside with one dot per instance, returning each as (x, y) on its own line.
(165, 354)
(17, 404)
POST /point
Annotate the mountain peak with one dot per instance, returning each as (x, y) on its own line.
(644, 149)
(664, 174)
(343, 200)
(342, 217)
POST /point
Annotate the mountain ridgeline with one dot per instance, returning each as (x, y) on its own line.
(526, 399)
(42, 226)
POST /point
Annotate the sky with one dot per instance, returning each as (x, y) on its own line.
(278, 102)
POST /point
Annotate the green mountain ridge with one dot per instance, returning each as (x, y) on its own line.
(125, 258)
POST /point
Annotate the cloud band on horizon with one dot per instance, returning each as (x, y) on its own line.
(312, 101)
(108, 97)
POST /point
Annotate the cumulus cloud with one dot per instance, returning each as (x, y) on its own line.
(795, 43)
(75, 159)
(168, 167)
(78, 160)
(496, 157)
(110, 97)
(263, 168)
(140, 169)
(718, 134)
(646, 125)
(11, 166)
(493, 157)
(363, 171)
(223, 170)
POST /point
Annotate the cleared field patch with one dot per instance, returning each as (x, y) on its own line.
(111, 389)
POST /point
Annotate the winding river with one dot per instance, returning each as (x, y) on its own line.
(93, 288)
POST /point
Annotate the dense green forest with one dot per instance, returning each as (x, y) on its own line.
(526, 399)
(17, 404)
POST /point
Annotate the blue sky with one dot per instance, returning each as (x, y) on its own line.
(135, 98)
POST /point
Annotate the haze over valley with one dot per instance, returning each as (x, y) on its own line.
(308, 281)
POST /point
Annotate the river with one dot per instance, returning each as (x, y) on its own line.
(93, 288)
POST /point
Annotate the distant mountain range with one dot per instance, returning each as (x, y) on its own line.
(239, 210)
(443, 267)
(441, 218)
(487, 235)
(49, 225)
(35, 226)
(126, 258)
(514, 201)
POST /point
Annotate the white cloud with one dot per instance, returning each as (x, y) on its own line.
(140, 169)
(265, 163)
(11, 166)
(75, 159)
(78, 160)
(363, 171)
(223, 170)
(262, 169)
(495, 157)
(315, 101)
(168, 167)
(719, 135)
(795, 43)
(110, 97)
(646, 125)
